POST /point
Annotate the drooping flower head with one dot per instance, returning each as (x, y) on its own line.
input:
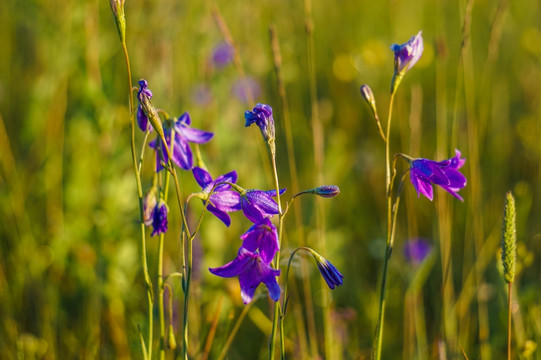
(261, 115)
(184, 135)
(222, 200)
(142, 119)
(257, 205)
(262, 236)
(416, 250)
(252, 270)
(444, 173)
(407, 54)
(159, 219)
(330, 273)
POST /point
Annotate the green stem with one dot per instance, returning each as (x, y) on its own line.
(509, 322)
(276, 318)
(390, 235)
(148, 282)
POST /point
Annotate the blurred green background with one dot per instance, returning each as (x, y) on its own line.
(71, 284)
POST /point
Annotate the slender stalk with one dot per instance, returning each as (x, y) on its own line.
(509, 320)
(277, 308)
(389, 240)
(148, 282)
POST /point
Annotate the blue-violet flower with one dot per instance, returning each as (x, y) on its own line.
(407, 54)
(257, 205)
(261, 115)
(222, 200)
(252, 271)
(159, 219)
(222, 54)
(416, 250)
(444, 173)
(330, 273)
(184, 134)
(142, 119)
(262, 236)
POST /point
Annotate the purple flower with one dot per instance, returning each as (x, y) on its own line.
(222, 54)
(184, 134)
(257, 205)
(406, 55)
(222, 200)
(252, 271)
(159, 219)
(142, 119)
(444, 173)
(262, 236)
(242, 87)
(416, 250)
(261, 115)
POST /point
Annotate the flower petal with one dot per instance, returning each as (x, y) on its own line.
(195, 135)
(222, 215)
(202, 177)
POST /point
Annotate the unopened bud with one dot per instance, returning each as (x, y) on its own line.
(149, 203)
(368, 95)
(117, 6)
(171, 341)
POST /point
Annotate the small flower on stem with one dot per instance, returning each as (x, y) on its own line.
(251, 270)
(142, 119)
(330, 273)
(326, 191)
(159, 220)
(184, 134)
(257, 205)
(262, 236)
(444, 173)
(222, 200)
(261, 115)
(405, 56)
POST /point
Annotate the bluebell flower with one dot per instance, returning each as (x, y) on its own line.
(262, 236)
(142, 119)
(407, 54)
(444, 173)
(251, 270)
(257, 205)
(222, 200)
(184, 135)
(159, 219)
(261, 115)
(330, 273)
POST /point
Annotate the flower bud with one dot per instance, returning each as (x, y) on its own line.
(261, 115)
(368, 95)
(509, 239)
(144, 95)
(117, 6)
(171, 341)
(326, 191)
(330, 273)
(149, 203)
(159, 220)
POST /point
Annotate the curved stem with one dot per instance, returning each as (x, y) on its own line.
(389, 237)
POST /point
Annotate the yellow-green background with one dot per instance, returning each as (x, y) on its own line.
(71, 284)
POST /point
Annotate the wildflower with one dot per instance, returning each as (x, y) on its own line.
(330, 273)
(416, 250)
(444, 173)
(257, 205)
(262, 236)
(147, 109)
(252, 271)
(142, 119)
(326, 191)
(407, 54)
(159, 219)
(222, 54)
(222, 200)
(184, 134)
(261, 115)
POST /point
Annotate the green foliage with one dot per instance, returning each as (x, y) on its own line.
(71, 284)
